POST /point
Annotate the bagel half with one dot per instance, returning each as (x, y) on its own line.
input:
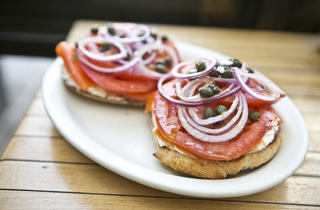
(97, 93)
(214, 169)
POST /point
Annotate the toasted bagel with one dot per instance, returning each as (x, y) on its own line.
(107, 98)
(215, 169)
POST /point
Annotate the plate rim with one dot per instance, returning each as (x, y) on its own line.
(141, 172)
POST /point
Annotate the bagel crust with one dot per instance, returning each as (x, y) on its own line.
(107, 99)
(215, 169)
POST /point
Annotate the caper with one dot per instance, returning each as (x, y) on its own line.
(160, 62)
(236, 63)
(254, 116)
(105, 47)
(128, 58)
(207, 113)
(94, 30)
(161, 68)
(220, 109)
(206, 92)
(74, 57)
(168, 62)
(76, 45)
(250, 70)
(227, 74)
(144, 56)
(215, 89)
(111, 30)
(153, 35)
(164, 38)
(200, 66)
(214, 73)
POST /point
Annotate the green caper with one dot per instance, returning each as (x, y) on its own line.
(168, 62)
(250, 70)
(206, 92)
(144, 56)
(74, 57)
(153, 35)
(200, 66)
(160, 62)
(220, 109)
(215, 89)
(161, 68)
(236, 63)
(254, 116)
(105, 47)
(207, 113)
(94, 30)
(227, 74)
(164, 38)
(214, 73)
(111, 30)
(128, 58)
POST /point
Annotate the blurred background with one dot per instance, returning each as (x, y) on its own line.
(30, 30)
(33, 27)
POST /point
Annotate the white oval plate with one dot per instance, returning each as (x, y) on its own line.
(120, 139)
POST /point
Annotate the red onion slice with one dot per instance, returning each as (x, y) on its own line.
(237, 75)
(143, 69)
(125, 67)
(231, 90)
(97, 39)
(217, 118)
(133, 36)
(189, 66)
(191, 87)
(216, 138)
(151, 57)
(218, 130)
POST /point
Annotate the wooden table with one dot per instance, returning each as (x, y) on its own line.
(40, 170)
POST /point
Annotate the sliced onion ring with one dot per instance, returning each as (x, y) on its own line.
(217, 118)
(247, 89)
(143, 69)
(125, 67)
(168, 76)
(191, 86)
(190, 65)
(216, 138)
(134, 37)
(218, 130)
(99, 39)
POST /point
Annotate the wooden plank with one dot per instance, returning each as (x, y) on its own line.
(11, 200)
(314, 141)
(95, 179)
(36, 125)
(307, 104)
(44, 149)
(36, 107)
(310, 165)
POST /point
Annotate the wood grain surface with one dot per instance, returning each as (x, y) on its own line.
(40, 170)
